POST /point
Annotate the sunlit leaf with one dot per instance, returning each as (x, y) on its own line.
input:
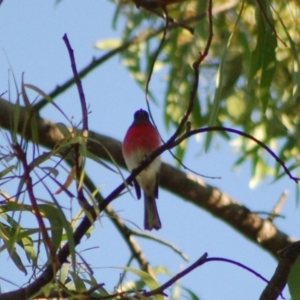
(108, 44)
(63, 129)
(147, 279)
(6, 171)
(78, 282)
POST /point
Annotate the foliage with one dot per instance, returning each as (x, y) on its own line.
(253, 59)
(255, 54)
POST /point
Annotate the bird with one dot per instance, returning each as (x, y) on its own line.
(140, 141)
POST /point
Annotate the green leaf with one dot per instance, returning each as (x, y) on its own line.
(295, 52)
(6, 171)
(6, 233)
(51, 170)
(217, 98)
(40, 159)
(180, 151)
(66, 225)
(47, 289)
(51, 213)
(192, 295)
(294, 280)
(146, 278)
(219, 86)
(47, 211)
(78, 282)
(46, 97)
(95, 158)
(39, 91)
(108, 44)
(263, 58)
(17, 260)
(65, 131)
(22, 237)
(16, 120)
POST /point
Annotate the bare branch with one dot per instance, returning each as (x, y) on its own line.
(77, 80)
(279, 205)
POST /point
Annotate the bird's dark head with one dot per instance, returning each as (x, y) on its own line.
(141, 116)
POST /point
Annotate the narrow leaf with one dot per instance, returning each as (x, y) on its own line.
(263, 58)
(294, 280)
(147, 278)
(219, 85)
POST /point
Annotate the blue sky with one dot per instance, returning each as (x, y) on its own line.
(31, 41)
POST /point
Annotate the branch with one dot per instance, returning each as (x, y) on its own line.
(199, 262)
(192, 189)
(170, 282)
(78, 84)
(232, 130)
(133, 245)
(143, 37)
(79, 159)
(125, 232)
(96, 62)
(21, 155)
(277, 283)
(189, 187)
(160, 290)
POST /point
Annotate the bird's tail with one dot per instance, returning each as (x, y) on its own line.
(151, 219)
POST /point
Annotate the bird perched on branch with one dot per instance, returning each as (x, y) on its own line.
(140, 141)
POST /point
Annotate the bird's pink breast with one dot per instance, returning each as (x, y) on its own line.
(143, 138)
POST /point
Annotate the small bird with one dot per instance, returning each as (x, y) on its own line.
(140, 141)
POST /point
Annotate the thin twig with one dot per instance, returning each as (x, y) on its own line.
(79, 159)
(46, 127)
(96, 62)
(28, 180)
(143, 37)
(170, 282)
(196, 65)
(78, 84)
(154, 58)
(268, 20)
(160, 290)
(241, 133)
(278, 207)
